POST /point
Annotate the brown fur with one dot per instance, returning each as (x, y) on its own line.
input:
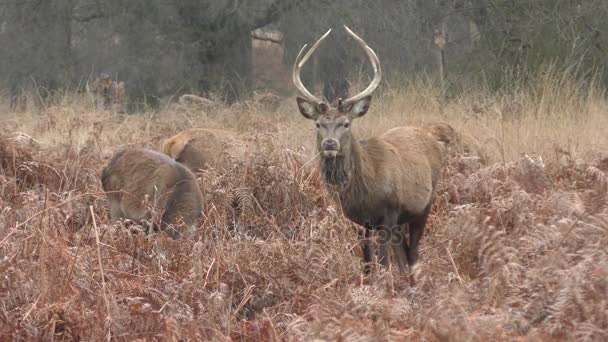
(200, 148)
(455, 141)
(383, 182)
(401, 167)
(133, 174)
(390, 181)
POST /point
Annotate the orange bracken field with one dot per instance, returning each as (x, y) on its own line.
(515, 247)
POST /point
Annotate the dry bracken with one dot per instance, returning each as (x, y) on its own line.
(512, 251)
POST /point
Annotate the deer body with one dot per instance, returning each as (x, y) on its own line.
(131, 175)
(383, 183)
(386, 182)
(456, 142)
(199, 148)
(387, 173)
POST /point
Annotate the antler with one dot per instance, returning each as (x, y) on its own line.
(373, 59)
(299, 63)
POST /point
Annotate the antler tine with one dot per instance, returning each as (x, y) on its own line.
(296, 76)
(299, 63)
(375, 62)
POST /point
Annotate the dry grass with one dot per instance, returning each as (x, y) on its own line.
(513, 251)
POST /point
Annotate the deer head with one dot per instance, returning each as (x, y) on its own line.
(334, 121)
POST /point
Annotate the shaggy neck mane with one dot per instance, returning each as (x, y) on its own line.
(346, 173)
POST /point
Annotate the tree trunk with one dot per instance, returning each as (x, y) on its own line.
(227, 67)
(37, 47)
(330, 65)
(334, 63)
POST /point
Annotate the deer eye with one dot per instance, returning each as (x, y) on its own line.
(346, 124)
(318, 125)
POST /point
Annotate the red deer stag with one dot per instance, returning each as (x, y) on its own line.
(131, 175)
(383, 182)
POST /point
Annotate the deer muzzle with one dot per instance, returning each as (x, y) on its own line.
(330, 148)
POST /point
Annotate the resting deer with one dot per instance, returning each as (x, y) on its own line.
(456, 142)
(200, 148)
(382, 182)
(131, 175)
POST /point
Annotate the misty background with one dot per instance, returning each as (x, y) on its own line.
(161, 49)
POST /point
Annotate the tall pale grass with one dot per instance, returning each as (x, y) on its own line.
(512, 251)
(553, 111)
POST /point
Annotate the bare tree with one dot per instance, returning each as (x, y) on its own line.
(221, 33)
(163, 48)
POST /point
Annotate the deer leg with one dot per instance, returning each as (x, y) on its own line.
(388, 234)
(416, 231)
(384, 236)
(399, 246)
(365, 237)
(115, 211)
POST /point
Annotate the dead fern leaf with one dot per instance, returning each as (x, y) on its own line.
(243, 202)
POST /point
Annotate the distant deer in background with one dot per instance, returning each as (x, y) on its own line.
(108, 93)
(383, 182)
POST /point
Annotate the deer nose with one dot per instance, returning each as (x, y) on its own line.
(330, 144)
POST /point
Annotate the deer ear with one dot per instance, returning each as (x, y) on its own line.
(360, 108)
(307, 109)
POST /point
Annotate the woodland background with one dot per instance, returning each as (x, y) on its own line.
(165, 48)
(515, 246)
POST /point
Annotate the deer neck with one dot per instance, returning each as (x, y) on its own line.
(341, 172)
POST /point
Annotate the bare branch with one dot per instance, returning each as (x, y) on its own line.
(266, 39)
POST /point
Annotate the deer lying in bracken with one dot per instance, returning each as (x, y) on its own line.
(456, 142)
(199, 148)
(132, 175)
(383, 182)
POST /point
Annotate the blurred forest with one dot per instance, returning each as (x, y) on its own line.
(165, 48)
